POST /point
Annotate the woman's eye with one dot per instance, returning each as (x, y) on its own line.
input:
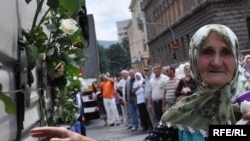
(226, 52)
(207, 52)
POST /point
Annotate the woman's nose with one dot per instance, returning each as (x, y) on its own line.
(216, 61)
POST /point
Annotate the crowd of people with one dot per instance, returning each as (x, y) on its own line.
(141, 98)
(180, 106)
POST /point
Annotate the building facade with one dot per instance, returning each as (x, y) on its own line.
(138, 42)
(122, 29)
(175, 21)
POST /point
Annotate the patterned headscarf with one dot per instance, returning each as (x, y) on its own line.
(207, 105)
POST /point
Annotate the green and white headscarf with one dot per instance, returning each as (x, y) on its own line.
(206, 106)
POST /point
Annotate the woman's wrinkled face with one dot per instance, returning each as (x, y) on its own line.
(187, 70)
(216, 61)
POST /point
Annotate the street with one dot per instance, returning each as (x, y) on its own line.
(96, 129)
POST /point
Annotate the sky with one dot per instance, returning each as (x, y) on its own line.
(106, 13)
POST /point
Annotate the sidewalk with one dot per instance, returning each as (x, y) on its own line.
(97, 130)
(136, 138)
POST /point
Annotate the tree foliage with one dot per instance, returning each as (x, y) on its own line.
(126, 60)
(103, 59)
(115, 58)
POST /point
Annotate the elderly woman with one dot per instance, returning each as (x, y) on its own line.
(141, 102)
(214, 64)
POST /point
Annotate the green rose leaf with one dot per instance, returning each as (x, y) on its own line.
(71, 5)
(51, 51)
(83, 41)
(32, 54)
(42, 36)
(20, 33)
(23, 36)
(10, 107)
(70, 69)
(75, 37)
(51, 27)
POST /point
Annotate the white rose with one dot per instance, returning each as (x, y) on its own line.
(244, 107)
(68, 26)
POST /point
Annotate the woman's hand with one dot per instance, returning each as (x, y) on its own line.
(163, 109)
(124, 101)
(246, 116)
(57, 134)
(185, 90)
(98, 92)
(150, 107)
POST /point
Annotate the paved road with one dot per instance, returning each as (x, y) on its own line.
(97, 130)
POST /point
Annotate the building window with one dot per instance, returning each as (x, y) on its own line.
(153, 56)
(188, 39)
(159, 55)
(248, 26)
(145, 47)
(162, 55)
(169, 53)
(165, 52)
(190, 4)
(183, 49)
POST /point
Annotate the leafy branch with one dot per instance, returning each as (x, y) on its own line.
(57, 38)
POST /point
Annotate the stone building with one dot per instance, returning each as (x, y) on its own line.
(175, 21)
(139, 51)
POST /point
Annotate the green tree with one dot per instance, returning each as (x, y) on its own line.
(115, 55)
(126, 60)
(115, 58)
(118, 57)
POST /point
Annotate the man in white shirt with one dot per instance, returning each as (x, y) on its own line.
(121, 86)
(158, 89)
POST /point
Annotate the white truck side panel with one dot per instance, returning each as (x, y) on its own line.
(8, 54)
(15, 14)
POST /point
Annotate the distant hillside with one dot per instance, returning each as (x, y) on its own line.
(106, 44)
